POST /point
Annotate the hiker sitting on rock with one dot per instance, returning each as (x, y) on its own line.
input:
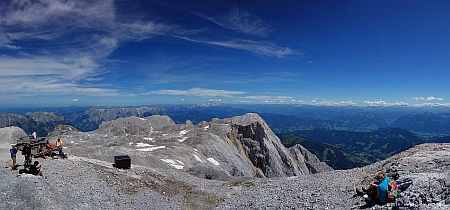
(58, 145)
(377, 192)
(49, 148)
(35, 170)
(41, 152)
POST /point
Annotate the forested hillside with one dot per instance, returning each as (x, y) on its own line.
(349, 149)
(334, 156)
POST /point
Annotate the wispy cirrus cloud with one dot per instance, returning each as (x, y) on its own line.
(262, 48)
(70, 41)
(199, 92)
(240, 21)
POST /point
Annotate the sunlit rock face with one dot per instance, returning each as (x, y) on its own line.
(242, 146)
(262, 147)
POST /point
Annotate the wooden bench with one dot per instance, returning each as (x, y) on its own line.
(34, 143)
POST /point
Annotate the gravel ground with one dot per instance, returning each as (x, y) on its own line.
(81, 183)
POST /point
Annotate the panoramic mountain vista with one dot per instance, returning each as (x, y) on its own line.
(222, 164)
(200, 104)
(343, 140)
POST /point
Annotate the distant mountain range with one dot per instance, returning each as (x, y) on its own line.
(344, 137)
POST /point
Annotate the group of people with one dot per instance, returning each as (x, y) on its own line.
(49, 147)
(377, 192)
(26, 151)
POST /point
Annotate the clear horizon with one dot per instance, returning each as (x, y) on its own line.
(327, 53)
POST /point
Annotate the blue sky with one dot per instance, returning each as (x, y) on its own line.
(127, 53)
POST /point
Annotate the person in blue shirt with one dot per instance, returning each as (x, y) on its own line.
(377, 192)
(382, 189)
(13, 152)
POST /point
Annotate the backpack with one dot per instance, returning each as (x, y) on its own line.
(393, 193)
(23, 171)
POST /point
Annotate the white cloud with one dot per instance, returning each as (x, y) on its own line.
(76, 37)
(447, 105)
(290, 100)
(199, 92)
(73, 69)
(384, 103)
(240, 21)
(429, 98)
(325, 102)
(75, 100)
(263, 48)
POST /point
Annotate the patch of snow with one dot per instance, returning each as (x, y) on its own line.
(197, 158)
(148, 149)
(165, 134)
(206, 127)
(213, 161)
(195, 150)
(142, 119)
(140, 144)
(183, 132)
(173, 163)
(148, 138)
(72, 142)
(182, 139)
(131, 143)
(179, 161)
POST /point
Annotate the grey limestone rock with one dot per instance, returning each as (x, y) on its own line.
(11, 134)
(209, 166)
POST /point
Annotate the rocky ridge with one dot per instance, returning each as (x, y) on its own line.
(90, 119)
(163, 179)
(235, 147)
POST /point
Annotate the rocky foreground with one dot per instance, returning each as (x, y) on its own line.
(87, 180)
(81, 183)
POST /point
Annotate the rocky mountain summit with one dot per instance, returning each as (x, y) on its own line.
(85, 120)
(241, 146)
(89, 119)
(233, 163)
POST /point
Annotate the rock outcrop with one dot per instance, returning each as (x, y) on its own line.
(11, 134)
(90, 119)
(241, 146)
(422, 174)
(254, 139)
